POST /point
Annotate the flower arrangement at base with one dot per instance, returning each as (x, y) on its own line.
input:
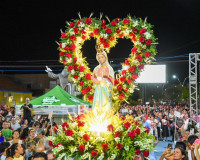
(101, 135)
(107, 33)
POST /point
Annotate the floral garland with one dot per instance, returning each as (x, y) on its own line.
(79, 30)
(125, 138)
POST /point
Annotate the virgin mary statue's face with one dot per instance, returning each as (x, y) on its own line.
(101, 58)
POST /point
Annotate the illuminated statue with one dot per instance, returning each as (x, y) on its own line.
(103, 78)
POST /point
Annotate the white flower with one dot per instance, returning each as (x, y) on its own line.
(72, 71)
(74, 124)
(60, 157)
(101, 156)
(73, 149)
(81, 74)
(105, 35)
(113, 157)
(96, 25)
(124, 86)
(117, 139)
(130, 90)
(85, 156)
(99, 139)
(120, 128)
(69, 138)
(126, 148)
(147, 35)
(71, 31)
(135, 23)
(63, 45)
(69, 60)
(81, 25)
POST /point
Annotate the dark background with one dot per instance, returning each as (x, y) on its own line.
(29, 29)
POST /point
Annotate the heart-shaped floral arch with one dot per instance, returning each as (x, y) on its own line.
(77, 31)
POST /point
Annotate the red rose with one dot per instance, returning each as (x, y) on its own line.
(84, 91)
(135, 30)
(73, 37)
(134, 76)
(126, 90)
(116, 82)
(127, 125)
(106, 45)
(121, 96)
(94, 153)
(127, 62)
(147, 54)
(103, 26)
(102, 40)
(64, 61)
(142, 39)
(75, 77)
(65, 126)
(131, 135)
(88, 76)
(81, 83)
(132, 69)
(146, 153)
(62, 53)
(119, 146)
(137, 131)
(147, 129)
(129, 81)
(96, 31)
(141, 66)
(117, 20)
(83, 37)
(137, 152)
(104, 146)
(108, 30)
(73, 47)
(118, 30)
(68, 55)
(148, 42)
(86, 137)
(71, 24)
(110, 128)
(75, 59)
(69, 132)
(117, 134)
(88, 21)
(111, 38)
(123, 73)
(75, 67)
(134, 38)
(50, 143)
(81, 148)
(134, 50)
(142, 31)
(119, 88)
(63, 35)
(59, 144)
(103, 22)
(90, 98)
(55, 129)
(125, 21)
(139, 57)
(81, 68)
(70, 68)
(92, 34)
(79, 22)
(88, 89)
(121, 35)
(75, 30)
(122, 79)
(80, 117)
(81, 124)
(66, 48)
(113, 23)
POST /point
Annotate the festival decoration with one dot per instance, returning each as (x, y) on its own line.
(107, 33)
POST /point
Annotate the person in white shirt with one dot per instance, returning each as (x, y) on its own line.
(15, 125)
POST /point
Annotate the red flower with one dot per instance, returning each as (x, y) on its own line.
(75, 59)
(75, 77)
(123, 73)
(122, 79)
(121, 35)
(90, 98)
(81, 83)
(88, 76)
(71, 24)
(106, 45)
(137, 131)
(125, 21)
(117, 20)
(88, 89)
(129, 81)
(147, 129)
(73, 37)
(65, 126)
(134, 50)
(119, 88)
(148, 42)
(62, 53)
(111, 38)
(103, 22)
(80, 117)
(135, 30)
(73, 47)
(88, 21)
(94, 153)
(117, 134)
(126, 90)
(81, 148)
(139, 57)
(132, 69)
(127, 125)
(141, 66)
(137, 152)
(68, 55)
(63, 35)
(134, 76)
(86, 137)
(81, 68)
(66, 48)
(146, 153)
(55, 129)
(116, 82)
(75, 30)
(110, 128)
(92, 34)
(119, 146)
(127, 62)
(59, 144)
(69, 132)
(79, 22)
(50, 143)
(142, 31)
(83, 37)
(142, 39)
(118, 30)
(121, 96)
(81, 124)
(108, 30)
(84, 91)
(102, 40)
(131, 134)
(75, 67)
(96, 31)
(104, 146)
(103, 26)
(147, 54)
(113, 23)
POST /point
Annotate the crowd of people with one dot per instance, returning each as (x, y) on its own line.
(25, 137)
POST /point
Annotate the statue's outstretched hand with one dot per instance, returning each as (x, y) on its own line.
(48, 69)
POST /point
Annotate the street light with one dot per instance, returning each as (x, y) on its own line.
(175, 77)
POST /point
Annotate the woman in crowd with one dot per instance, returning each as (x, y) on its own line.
(15, 138)
(165, 128)
(15, 152)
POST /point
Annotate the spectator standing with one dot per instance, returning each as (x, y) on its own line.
(165, 128)
(27, 109)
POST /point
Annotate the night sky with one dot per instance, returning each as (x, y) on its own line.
(30, 28)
